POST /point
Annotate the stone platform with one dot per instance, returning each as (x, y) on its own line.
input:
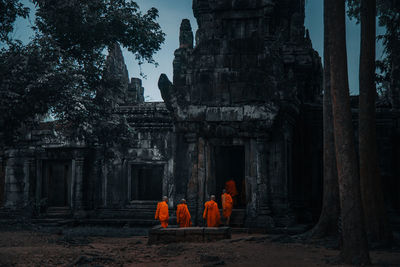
(159, 235)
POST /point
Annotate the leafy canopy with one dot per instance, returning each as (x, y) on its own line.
(81, 26)
(9, 11)
(388, 12)
(62, 70)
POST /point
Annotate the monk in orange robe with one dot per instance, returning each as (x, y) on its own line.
(227, 205)
(230, 187)
(211, 213)
(162, 212)
(183, 215)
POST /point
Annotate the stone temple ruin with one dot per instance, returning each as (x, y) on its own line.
(245, 104)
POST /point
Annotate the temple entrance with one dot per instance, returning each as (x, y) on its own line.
(230, 166)
(146, 182)
(56, 183)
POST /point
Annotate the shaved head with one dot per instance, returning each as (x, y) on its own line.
(212, 197)
(165, 198)
(183, 200)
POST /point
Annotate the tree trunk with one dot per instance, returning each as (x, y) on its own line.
(328, 220)
(355, 246)
(376, 221)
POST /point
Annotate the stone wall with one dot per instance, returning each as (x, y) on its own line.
(2, 181)
(241, 85)
(19, 174)
(93, 179)
(153, 146)
(246, 52)
(251, 86)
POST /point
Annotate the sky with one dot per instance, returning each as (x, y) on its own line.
(171, 13)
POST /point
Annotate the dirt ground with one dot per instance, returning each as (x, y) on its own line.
(81, 247)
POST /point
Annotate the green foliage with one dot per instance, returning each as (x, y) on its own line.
(353, 9)
(389, 17)
(9, 11)
(30, 83)
(388, 12)
(80, 27)
(62, 70)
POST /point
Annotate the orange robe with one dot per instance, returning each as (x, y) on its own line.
(183, 216)
(230, 187)
(211, 213)
(162, 213)
(227, 205)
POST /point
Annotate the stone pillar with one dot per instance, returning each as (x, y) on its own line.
(277, 182)
(263, 210)
(210, 181)
(31, 180)
(104, 175)
(97, 180)
(129, 180)
(279, 177)
(39, 181)
(11, 186)
(78, 184)
(192, 186)
(17, 178)
(169, 176)
(287, 168)
(168, 186)
(2, 182)
(251, 166)
(201, 177)
(124, 182)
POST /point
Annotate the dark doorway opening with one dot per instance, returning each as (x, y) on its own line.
(146, 182)
(56, 184)
(230, 165)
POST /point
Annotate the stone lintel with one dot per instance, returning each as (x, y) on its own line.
(230, 113)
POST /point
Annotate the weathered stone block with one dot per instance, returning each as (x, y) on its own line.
(259, 112)
(213, 114)
(231, 114)
(289, 59)
(15, 187)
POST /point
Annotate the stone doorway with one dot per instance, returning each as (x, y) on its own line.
(230, 165)
(146, 182)
(56, 184)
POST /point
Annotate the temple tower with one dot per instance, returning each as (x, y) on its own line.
(236, 97)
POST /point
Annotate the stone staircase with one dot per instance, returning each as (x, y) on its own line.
(5, 214)
(135, 214)
(58, 212)
(8, 214)
(54, 216)
(238, 218)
